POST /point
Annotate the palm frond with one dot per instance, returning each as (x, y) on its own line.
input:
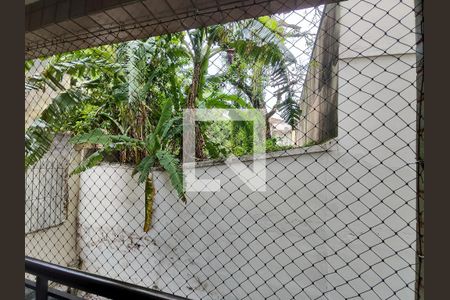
(225, 101)
(144, 168)
(290, 111)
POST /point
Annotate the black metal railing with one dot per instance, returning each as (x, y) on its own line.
(52, 293)
(86, 282)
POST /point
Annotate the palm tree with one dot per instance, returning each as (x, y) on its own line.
(201, 47)
(258, 57)
(256, 54)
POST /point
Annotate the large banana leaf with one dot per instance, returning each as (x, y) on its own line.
(172, 166)
(144, 168)
(40, 134)
(99, 137)
(155, 139)
(38, 139)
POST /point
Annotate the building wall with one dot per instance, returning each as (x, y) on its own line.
(319, 94)
(56, 244)
(298, 234)
(376, 176)
(338, 223)
(215, 246)
(364, 29)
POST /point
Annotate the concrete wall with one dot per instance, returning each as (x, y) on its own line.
(219, 245)
(364, 30)
(318, 101)
(314, 228)
(333, 224)
(375, 177)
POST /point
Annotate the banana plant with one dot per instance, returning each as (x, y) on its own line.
(130, 91)
(156, 154)
(201, 46)
(76, 78)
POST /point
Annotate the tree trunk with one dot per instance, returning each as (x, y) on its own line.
(268, 133)
(193, 94)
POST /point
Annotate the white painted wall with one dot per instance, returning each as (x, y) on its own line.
(376, 113)
(338, 223)
(223, 245)
(216, 246)
(374, 28)
(381, 202)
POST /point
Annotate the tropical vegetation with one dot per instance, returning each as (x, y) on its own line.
(127, 100)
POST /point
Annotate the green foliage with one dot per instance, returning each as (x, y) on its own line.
(290, 111)
(38, 139)
(90, 162)
(39, 136)
(127, 100)
(271, 24)
(98, 136)
(225, 101)
(272, 145)
(28, 65)
(152, 148)
(144, 168)
(261, 58)
(78, 78)
(172, 166)
(217, 139)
